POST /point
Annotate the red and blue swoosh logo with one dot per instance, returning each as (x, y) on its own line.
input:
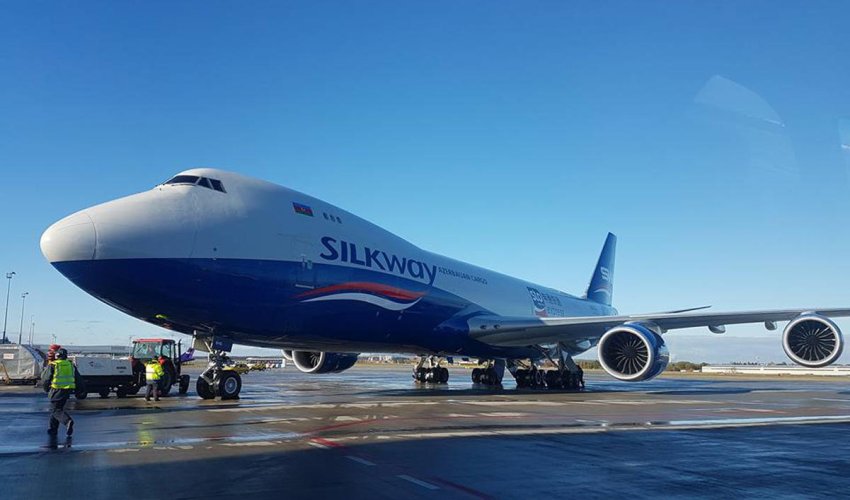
(384, 296)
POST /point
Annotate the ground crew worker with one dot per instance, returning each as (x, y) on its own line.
(60, 382)
(153, 373)
(51, 353)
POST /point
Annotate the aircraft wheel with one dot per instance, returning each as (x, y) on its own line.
(521, 377)
(538, 378)
(492, 377)
(444, 375)
(476, 375)
(553, 379)
(204, 389)
(229, 385)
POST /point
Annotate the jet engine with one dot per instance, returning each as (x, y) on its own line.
(812, 340)
(323, 362)
(632, 353)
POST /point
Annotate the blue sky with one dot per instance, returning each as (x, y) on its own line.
(512, 135)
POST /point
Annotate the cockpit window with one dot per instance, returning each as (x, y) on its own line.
(200, 181)
(183, 179)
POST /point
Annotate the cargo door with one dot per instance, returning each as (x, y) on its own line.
(305, 274)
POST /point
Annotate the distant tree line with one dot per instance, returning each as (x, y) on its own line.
(678, 366)
(589, 364)
(756, 363)
(685, 366)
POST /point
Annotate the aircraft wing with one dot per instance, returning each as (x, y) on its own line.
(526, 331)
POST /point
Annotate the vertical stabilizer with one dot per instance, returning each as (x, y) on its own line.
(601, 286)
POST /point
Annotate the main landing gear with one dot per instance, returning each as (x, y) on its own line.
(567, 374)
(433, 373)
(491, 373)
(529, 376)
(218, 379)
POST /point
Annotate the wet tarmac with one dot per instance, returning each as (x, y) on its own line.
(370, 432)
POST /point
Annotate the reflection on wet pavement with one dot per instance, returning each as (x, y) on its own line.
(372, 431)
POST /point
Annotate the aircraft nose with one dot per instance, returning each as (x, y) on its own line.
(72, 238)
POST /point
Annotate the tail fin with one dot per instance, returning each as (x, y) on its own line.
(601, 286)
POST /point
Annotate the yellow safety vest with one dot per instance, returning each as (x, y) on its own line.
(63, 375)
(153, 371)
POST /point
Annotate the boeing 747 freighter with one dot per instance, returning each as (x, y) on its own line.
(230, 259)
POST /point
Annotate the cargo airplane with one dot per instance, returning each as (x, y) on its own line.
(232, 259)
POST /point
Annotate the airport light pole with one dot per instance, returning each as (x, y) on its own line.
(23, 304)
(6, 315)
(32, 327)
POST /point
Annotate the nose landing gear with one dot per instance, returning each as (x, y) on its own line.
(433, 373)
(218, 379)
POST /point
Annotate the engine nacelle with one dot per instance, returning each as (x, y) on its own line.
(633, 353)
(812, 340)
(323, 362)
(287, 354)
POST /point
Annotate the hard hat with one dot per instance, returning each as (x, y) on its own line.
(62, 354)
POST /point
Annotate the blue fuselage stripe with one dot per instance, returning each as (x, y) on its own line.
(278, 304)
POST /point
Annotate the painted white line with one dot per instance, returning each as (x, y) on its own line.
(250, 443)
(741, 422)
(614, 427)
(359, 460)
(317, 445)
(418, 482)
(510, 403)
(346, 418)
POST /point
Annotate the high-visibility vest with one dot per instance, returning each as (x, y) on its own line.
(63, 375)
(153, 371)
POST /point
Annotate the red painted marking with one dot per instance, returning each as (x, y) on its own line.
(327, 442)
(375, 288)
